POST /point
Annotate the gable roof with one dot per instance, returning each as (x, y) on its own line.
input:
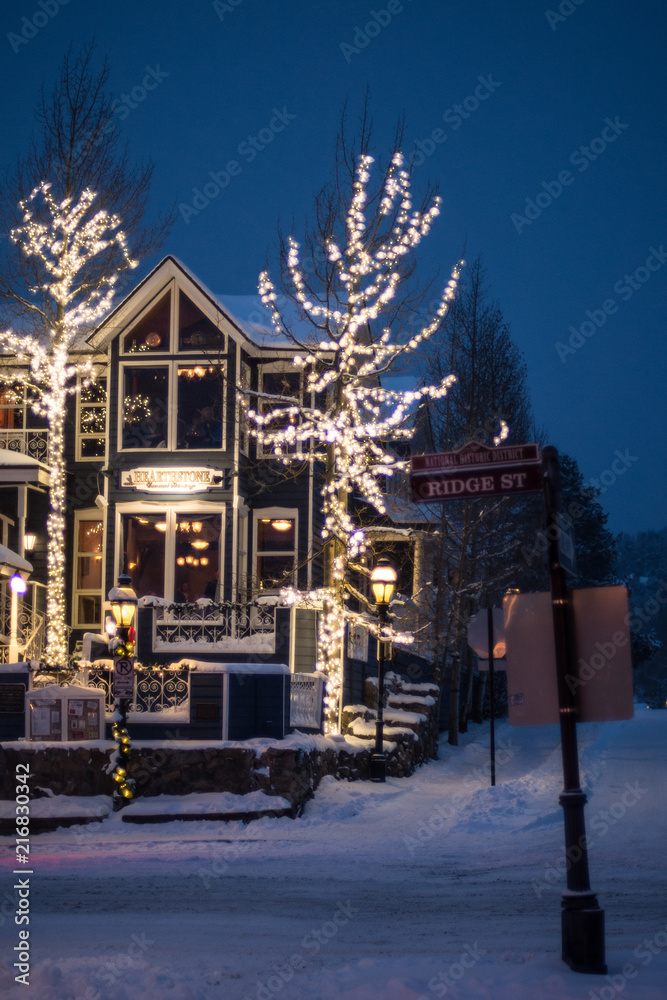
(248, 319)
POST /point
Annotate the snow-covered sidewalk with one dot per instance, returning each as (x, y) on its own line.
(431, 886)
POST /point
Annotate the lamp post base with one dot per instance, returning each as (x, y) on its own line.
(378, 769)
(583, 936)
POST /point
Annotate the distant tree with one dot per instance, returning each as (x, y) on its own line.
(478, 539)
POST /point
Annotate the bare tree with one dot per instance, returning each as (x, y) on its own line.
(76, 146)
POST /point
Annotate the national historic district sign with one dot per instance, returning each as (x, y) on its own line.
(475, 470)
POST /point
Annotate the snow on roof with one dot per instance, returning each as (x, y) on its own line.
(12, 560)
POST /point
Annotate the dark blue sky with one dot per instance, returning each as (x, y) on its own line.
(261, 83)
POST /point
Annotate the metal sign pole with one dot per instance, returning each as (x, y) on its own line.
(492, 723)
(583, 944)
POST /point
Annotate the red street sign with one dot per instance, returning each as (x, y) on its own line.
(478, 482)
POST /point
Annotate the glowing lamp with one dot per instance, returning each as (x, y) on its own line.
(123, 601)
(281, 525)
(18, 584)
(199, 543)
(383, 581)
(29, 541)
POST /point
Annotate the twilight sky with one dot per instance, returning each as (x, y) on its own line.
(543, 125)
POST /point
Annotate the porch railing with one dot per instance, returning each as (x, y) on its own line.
(26, 442)
(231, 628)
(161, 692)
(30, 624)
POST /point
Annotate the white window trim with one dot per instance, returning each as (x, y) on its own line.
(170, 510)
(172, 364)
(102, 374)
(90, 514)
(174, 289)
(260, 513)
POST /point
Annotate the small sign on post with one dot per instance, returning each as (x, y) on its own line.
(123, 677)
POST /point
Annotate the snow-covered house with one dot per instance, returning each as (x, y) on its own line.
(166, 484)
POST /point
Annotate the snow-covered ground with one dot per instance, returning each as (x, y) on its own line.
(432, 886)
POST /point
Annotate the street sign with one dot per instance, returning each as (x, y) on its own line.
(473, 453)
(123, 677)
(475, 470)
(480, 481)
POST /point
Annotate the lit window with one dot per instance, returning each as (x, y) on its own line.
(88, 569)
(91, 421)
(143, 552)
(151, 333)
(145, 411)
(196, 332)
(200, 400)
(275, 551)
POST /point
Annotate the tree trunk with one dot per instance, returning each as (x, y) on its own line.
(57, 651)
(454, 693)
(467, 705)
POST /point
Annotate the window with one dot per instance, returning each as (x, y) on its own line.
(174, 554)
(275, 548)
(199, 406)
(20, 429)
(144, 537)
(196, 332)
(91, 420)
(172, 406)
(152, 332)
(278, 380)
(197, 557)
(12, 407)
(88, 534)
(145, 407)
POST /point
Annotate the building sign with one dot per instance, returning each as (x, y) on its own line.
(171, 479)
(476, 470)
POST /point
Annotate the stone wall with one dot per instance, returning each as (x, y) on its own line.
(291, 768)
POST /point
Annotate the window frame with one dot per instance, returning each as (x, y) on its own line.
(170, 510)
(172, 365)
(81, 436)
(273, 513)
(282, 368)
(88, 514)
(168, 290)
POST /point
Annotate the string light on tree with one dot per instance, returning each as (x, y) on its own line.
(61, 239)
(353, 431)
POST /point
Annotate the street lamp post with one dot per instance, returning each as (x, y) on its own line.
(383, 582)
(123, 602)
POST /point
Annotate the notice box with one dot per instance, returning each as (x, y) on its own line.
(601, 679)
(69, 713)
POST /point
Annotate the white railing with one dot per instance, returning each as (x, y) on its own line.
(30, 623)
(26, 442)
(161, 692)
(230, 628)
(306, 700)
